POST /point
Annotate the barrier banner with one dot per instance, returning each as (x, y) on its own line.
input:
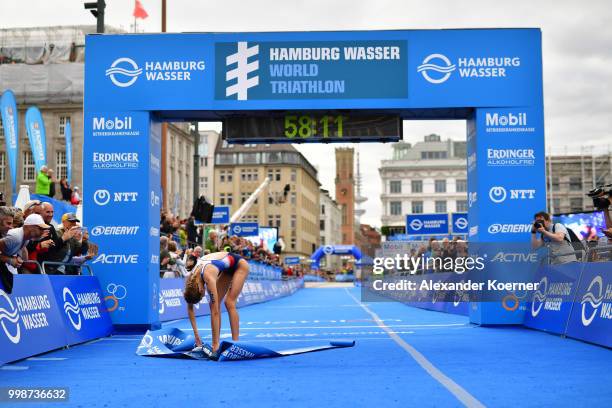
(82, 308)
(175, 343)
(30, 320)
(425, 224)
(68, 136)
(10, 122)
(591, 316)
(35, 127)
(550, 306)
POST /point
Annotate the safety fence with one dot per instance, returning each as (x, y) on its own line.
(47, 312)
(573, 299)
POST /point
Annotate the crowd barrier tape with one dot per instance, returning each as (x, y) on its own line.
(172, 305)
(44, 313)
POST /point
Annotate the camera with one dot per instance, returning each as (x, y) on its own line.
(601, 196)
(538, 224)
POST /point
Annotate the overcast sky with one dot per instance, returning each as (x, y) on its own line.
(577, 47)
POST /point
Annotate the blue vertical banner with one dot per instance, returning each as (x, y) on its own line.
(10, 118)
(68, 135)
(36, 135)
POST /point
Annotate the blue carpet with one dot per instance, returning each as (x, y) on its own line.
(500, 367)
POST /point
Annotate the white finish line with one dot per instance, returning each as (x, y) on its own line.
(459, 392)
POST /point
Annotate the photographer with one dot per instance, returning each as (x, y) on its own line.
(554, 236)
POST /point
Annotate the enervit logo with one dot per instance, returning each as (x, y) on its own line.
(467, 67)
(123, 72)
(10, 315)
(539, 297)
(508, 122)
(242, 70)
(593, 297)
(472, 197)
(115, 293)
(99, 231)
(116, 259)
(72, 309)
(115, 161)
(515, 257)
(103, 197)
(509, 228)
(461, 223)
(445, 68)
(497, 194)
(154, 199)
(416, 224)
(510, 157)
(328, 249)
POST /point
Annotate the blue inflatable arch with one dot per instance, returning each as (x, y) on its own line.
(334, 250)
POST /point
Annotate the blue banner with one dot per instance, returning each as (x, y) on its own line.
(35, 127)
(68, 134)
(551, 304)
(221, 215)
(292, 260)
(459, 222)
(591, 317)
(10, 122)
(427, 224)
(244, 229)
(82, 308)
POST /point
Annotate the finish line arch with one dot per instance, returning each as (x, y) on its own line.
(334, 250)
(492, 78)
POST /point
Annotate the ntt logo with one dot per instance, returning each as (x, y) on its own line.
(123, 72)
(440, 64)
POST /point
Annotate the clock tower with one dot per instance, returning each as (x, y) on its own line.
(345, 193)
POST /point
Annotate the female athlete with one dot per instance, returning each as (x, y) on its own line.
(221, 274)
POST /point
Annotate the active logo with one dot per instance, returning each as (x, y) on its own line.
(509, 228)
(103, 197)
(116, 259)
(515, 257)
(242, 70)
(498, 194)
(510, 157)
(114, 230)
(115, 161)
(437, 68)
(9, 319)
(71, 308)
(123, 72)
(592, 300)
(444, 67)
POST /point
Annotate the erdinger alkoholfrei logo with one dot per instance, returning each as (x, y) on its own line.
(123, 72)
(416, 224)
(594, 298)
(436, 63)
(72, 309)
(242, 70)
(10, 315)
(497, 194)
(539, 297)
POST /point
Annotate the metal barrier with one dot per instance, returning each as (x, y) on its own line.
(40, 268)
(67, 264)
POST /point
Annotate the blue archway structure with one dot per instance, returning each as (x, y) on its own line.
(334, 250)
(301, 82)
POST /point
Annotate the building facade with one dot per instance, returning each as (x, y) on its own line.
(571, 176)
(180, 148)
(429, 177)
(240, 169)
(345, 192)
(330, 226)
(208, 144)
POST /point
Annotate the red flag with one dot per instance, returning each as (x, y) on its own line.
(139, 11)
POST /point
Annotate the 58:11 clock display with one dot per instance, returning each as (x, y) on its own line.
(303, 127)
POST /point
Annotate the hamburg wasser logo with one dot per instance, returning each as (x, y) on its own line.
(72, 309)
(123, 72)
(239, 69)
(539, 297)
(9, 319)
(416, 224)
(592, 300)
(437, 63)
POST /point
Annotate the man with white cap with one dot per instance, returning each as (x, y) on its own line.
(12, 247)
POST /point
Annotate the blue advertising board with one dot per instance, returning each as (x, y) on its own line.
(221, 215)
(591, 317)
(459, 223)
(427, 224)
(292, 260)
(244, 229)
